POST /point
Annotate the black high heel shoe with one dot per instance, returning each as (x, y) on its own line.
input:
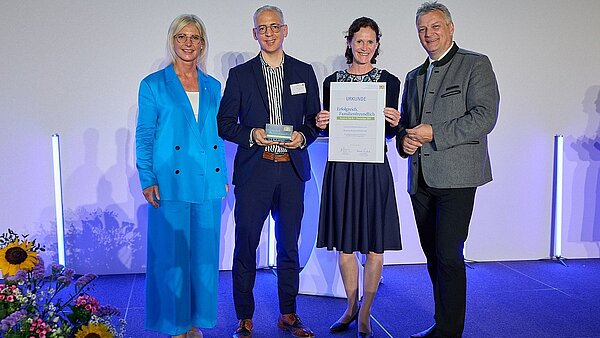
(341, 326)
(366, 334)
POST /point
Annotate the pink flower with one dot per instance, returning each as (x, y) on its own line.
(87, 302)
(10, 298)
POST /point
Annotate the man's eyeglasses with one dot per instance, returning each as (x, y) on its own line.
(275, 28)
(182, 38)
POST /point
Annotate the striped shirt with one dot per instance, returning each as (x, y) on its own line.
(274, 82)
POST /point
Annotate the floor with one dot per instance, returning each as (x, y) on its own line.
(504, 299)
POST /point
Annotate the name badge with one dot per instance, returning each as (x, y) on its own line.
(298, 88)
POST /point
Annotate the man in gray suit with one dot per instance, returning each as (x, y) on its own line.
(449, 106)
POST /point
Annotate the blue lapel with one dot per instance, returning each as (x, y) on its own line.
(260, 82)
(287, 81)
(180, 98)
(205, 100)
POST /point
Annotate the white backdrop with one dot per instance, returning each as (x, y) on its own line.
(73, 67)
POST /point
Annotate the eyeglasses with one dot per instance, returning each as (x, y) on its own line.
(182, 38)
(275, 28)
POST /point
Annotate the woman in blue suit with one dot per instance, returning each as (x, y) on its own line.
(181, 164)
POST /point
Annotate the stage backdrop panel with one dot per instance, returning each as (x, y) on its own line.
(73, 68)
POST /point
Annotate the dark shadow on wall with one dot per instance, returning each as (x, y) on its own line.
(100, 236)
(323, 70)
(585, 151)
(135, 191)
(227, 207)
(229, 60)
(124, 177)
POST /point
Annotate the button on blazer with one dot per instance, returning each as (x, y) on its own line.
(184, 157)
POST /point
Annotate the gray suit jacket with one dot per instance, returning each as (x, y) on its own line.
(461, 104)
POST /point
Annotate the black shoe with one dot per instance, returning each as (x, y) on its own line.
(430, 332)
(341, 326)
(366, 334)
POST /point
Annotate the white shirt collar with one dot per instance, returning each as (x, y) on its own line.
(441, 57)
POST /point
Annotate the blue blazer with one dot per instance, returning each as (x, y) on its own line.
(245, 106)
(185, 158)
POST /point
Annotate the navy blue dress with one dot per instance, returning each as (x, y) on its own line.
(358, 201)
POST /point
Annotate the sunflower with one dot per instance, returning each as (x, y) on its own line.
(94, 331)
(17, 256)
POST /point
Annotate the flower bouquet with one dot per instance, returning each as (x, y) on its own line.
(36, 304)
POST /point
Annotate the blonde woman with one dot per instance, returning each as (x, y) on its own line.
(181, 164)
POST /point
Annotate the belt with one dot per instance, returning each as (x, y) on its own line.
(284, 157)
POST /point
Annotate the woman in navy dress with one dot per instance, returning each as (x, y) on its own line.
(358, 203)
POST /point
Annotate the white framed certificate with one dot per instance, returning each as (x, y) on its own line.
(357, 122)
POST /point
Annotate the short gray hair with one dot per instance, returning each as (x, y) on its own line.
(271, 8)
(177, 25)
(431, 6)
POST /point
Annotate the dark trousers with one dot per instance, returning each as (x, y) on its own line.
(275, 187)
(443, 217)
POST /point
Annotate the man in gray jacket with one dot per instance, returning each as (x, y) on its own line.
(449, 106)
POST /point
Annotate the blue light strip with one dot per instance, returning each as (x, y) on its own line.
(271, 243)
(60, 223)
(557, 197)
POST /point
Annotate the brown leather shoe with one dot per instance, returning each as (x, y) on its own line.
(243, 329)
(291, 322)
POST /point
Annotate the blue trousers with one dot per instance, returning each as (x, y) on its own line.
(275, 187)
(183, 266)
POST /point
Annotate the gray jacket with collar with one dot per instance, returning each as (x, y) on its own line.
(461, 104)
